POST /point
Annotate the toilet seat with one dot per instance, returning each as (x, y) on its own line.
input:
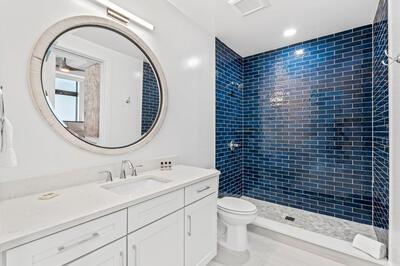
(236, 206)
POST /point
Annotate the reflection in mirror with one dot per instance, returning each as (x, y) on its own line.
(101, 87)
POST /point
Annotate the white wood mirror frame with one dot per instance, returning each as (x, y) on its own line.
(35, 80)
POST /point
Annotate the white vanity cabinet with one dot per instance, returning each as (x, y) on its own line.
(113, 254)
(152, 210)
(201, 222)
(201, 231)
(178, 228)
(160, 243)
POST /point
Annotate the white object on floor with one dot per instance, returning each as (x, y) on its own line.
(264, 251)
(234, 215)
(370, 246)
(8, 157)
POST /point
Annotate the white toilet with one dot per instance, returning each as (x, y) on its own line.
(234, 215)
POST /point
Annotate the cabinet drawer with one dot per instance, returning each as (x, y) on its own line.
(113, 254)
(70, 244)
(200, 190)
(154, 209)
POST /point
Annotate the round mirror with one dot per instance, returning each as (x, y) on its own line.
(101, 84)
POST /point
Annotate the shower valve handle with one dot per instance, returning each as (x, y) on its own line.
(233, 145)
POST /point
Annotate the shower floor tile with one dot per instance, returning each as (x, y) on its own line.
(314, 222)
(268, 252)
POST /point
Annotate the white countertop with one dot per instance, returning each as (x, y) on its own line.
(28, 218)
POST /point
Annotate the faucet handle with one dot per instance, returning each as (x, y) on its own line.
(134, 169)
(233, 145)
(109, 175)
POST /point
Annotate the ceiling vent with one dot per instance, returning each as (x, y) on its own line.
(247, 7)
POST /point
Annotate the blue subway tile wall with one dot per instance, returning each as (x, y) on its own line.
(381, 124)
(150, 98)
(311, 122)
(229, 70)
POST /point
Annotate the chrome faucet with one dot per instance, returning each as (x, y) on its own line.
(109, 175)
(123, 172)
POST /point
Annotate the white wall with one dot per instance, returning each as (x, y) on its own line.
(189, 127)
(126, 118)
(394, 140)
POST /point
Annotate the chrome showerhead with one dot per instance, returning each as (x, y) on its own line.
(234, 87)
(239, 86)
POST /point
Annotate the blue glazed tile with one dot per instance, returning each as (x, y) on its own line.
(150, 98)
(304, 123)
(380, 125)
(229, 113)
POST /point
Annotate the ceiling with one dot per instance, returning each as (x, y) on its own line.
(263, 30)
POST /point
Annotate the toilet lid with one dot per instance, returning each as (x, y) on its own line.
(236, 205)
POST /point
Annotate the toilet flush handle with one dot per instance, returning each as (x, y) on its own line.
(189, 225)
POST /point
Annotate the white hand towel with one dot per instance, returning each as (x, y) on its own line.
(8, 158)
(370, 246)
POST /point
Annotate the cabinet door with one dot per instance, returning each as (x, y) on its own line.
(113, 254)
(160, 243)
(201, 231)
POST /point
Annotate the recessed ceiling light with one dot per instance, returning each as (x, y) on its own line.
(290, 32)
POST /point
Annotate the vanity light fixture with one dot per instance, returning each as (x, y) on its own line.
(117, 16)
(120, 14)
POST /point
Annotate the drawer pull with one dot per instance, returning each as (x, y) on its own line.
(80, 242)
(121, 255)
(203, 189)
(134, 248)
(189, 225)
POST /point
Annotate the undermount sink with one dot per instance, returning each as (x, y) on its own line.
(136, 185)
